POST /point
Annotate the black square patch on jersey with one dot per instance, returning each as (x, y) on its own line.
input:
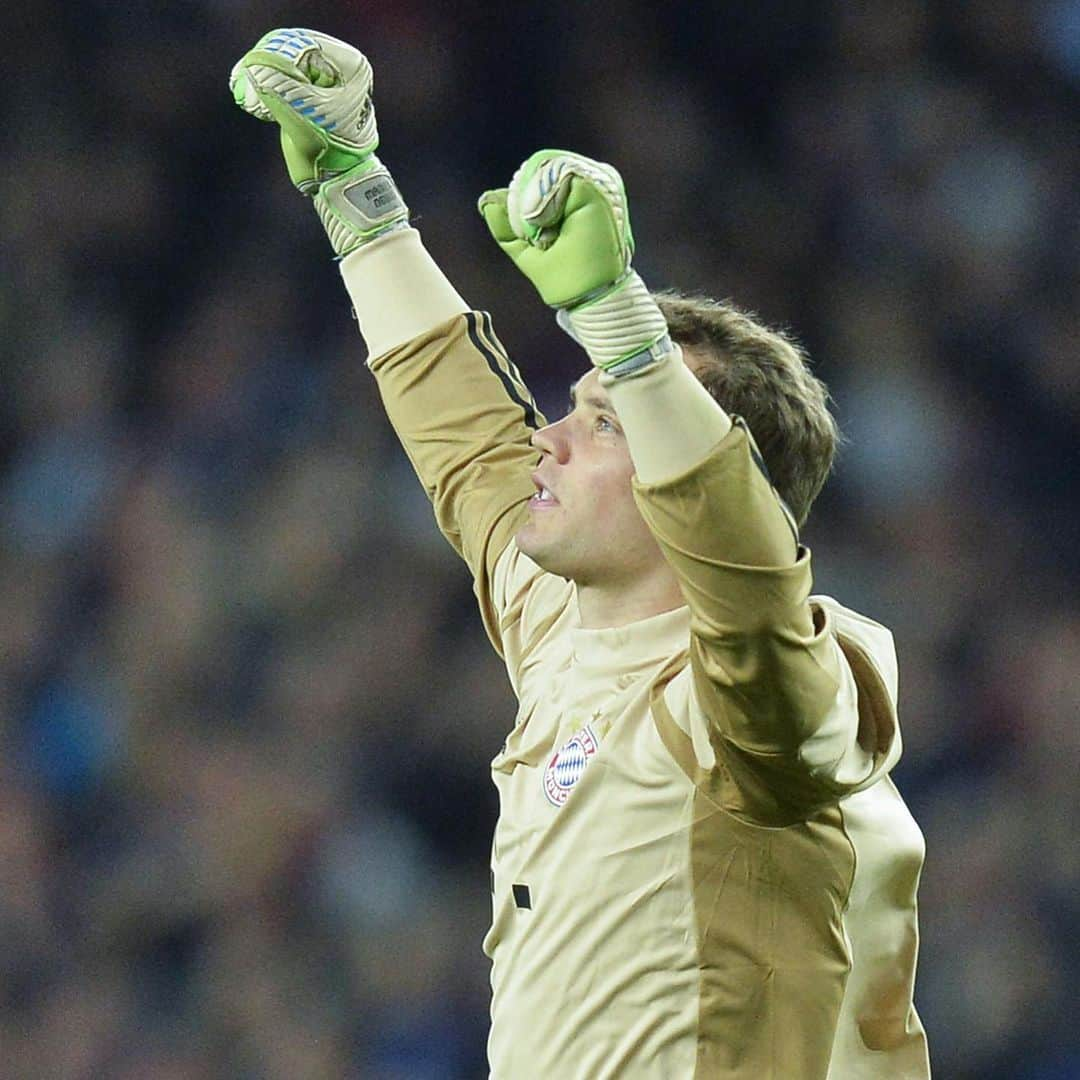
(522, 897)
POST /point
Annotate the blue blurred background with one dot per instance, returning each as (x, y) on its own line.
(246, 708)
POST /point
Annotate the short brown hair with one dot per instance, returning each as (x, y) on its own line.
(761, 374)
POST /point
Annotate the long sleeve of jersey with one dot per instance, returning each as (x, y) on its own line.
(465, 419)
(776, 689)
(456, 402)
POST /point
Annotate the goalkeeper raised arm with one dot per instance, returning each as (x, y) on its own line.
(700, 867)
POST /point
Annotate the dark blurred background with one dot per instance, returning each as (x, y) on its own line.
(246, 707)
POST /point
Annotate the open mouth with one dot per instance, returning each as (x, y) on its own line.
(543, 496)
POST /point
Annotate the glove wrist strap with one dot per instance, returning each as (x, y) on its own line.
(623, 330)
(360, 206)
(640, 362)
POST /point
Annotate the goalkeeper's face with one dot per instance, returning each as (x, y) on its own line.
(583, 522)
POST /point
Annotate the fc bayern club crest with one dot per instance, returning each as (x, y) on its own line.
(567, 764)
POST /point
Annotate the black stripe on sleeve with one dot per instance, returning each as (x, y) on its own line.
(504, 376)
(487, 332)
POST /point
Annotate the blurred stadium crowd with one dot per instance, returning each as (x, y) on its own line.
(246, 708)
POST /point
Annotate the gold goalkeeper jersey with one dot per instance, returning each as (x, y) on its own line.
(701, 867)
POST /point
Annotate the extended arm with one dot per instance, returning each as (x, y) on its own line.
(456, 401)
(773, 684)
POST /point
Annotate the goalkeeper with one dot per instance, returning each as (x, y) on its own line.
(701, 867)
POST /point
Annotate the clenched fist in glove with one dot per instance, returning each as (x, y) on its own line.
(565, 223)
(318, 91)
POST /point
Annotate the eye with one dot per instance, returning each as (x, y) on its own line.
(605, 424)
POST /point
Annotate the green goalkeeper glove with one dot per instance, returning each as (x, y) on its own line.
(565, 224)
(318, 90)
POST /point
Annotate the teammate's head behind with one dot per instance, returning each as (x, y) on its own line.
(762, 375)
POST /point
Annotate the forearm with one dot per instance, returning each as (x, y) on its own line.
(452, 396)
(454, 400)
(711, 505)
(670, 420)
(398, 291)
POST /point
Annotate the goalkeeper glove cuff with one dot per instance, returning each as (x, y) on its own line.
(360, 206)
(623, 330)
